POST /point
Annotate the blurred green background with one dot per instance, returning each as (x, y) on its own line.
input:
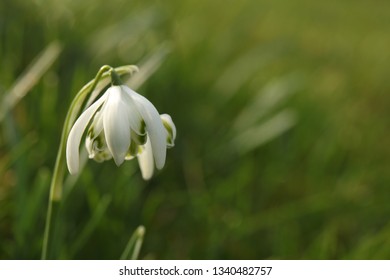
(282, 112)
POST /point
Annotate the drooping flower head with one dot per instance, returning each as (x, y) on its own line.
(122, 124)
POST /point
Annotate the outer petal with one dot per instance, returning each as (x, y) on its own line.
(75, 134)
(116, 124)
(154, 127)
(135, 117)
(170, 128)
(145, 161)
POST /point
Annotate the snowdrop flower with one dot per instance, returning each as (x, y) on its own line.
(122, 125)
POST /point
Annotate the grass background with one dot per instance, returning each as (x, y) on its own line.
(282, 112)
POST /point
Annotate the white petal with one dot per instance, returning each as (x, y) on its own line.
(97, 123)
(135, 117)
(145, 161)
(167, 118)
(154, 127)
(75, 134)
(116, 124)
(89, 147)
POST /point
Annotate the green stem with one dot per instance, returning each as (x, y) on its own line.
(115, 79)
(48, 249)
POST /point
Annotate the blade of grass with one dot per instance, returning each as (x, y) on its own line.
(260, 134)
(134, 245)
(30, 77)
(91, 225)
(149, 66)
(269, 97)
